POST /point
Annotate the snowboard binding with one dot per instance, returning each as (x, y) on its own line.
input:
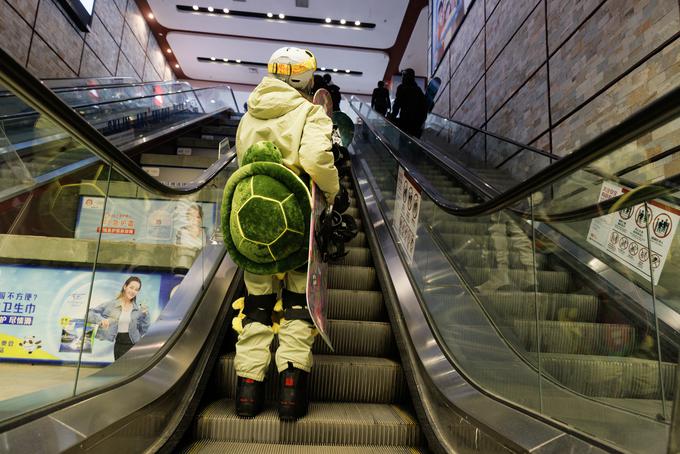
(336, 230)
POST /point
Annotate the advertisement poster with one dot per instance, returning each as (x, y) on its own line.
(447, 15)
(406, 212)
(183, 223)
(44, 314)
(623, 234)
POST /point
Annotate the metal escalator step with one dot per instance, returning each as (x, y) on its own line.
(326, 423)
(358, 241)
(611, 376)
(352, 277)
(220, 447)
(462, 227)
(355, 305)
(483, 258)
(577, 337)
(548, 281)
(333, 379)
(356, 256)
(552, 306)
(359, 338)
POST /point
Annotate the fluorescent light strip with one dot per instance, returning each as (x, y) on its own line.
(276, 15)
(232, 61)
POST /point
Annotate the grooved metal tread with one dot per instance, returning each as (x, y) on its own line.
(366, 305)
(352, 277)
(221, 447)
(325, 423)
(333, 378)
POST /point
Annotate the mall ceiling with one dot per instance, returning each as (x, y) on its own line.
(358, 41)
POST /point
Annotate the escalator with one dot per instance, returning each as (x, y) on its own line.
(558, 359)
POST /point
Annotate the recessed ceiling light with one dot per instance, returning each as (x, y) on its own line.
(160, 34)
(225, 10)
(168, 51)
(328, 20)
(225, 60)
(212, 101)
(238, 61)
(150, 15)
(212, 58)
(270, 15)
(343, 21)
(211, 9)
(195, 7)
(176, 65)
(357, 23)
(347, 70)
(323, 68)
(335, 70)
(282, 16)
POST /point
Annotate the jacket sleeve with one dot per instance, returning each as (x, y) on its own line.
(96, 314)
(143, 321)
(316, 157)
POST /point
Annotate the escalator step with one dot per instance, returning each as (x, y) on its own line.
(610, 376)
(359, 338)
(552, 306)
(355, 305)
(333, 379)
(358, 241)
(352, 277)
(548, 281)
(577, 337)
(356, 256)
(326, 423)
(220, 447)
(482, 258)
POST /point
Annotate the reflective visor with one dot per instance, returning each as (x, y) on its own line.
(285, 69)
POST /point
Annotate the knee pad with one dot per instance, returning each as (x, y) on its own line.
(295, 306)
(258, 308)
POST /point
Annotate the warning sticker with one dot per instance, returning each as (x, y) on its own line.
(406, 212)
(623, 234)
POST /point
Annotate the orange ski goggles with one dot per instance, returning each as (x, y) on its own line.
(285, 69)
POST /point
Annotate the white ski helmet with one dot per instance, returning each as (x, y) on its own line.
(293, 65)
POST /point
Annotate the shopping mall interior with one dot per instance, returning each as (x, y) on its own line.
(376, 226)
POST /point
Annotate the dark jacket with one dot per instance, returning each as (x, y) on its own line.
(380, 100)
(411, 106)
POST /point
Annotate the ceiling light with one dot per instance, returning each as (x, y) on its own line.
(238, 61)
(282, 16)
(160, 34)
(150, 15)
(270, 15)
(357, 23)
(328, 20)
(323, 68)
(176, 65)
(335, 70)
(225, 60)
(225, 10)
(211, 9)
(343, 21)
(195, 7)
(212, 101)
(212, 58)
(347, 70)
(169, 51)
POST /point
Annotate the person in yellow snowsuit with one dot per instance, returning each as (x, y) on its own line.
(279, 111)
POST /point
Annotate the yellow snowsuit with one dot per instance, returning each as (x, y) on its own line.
(302, 132)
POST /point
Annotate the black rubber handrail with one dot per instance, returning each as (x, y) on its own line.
(646, 119)
(17, 79)
(8, 94)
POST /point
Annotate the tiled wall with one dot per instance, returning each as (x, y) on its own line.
(556, 73)
(39, 34)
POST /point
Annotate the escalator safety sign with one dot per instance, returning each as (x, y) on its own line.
(406, 211)
(624, 233)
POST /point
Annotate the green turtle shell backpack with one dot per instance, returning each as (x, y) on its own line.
(265, 213)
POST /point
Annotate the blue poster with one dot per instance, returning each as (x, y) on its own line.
(447, 15)
(183, 223)
(45, 317)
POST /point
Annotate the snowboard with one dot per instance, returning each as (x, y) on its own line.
(322, 97)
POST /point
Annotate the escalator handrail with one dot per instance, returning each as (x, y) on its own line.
(522, 146)
(16, 78)
(9, 94)
(646, 119)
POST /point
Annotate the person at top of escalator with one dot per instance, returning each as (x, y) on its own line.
(380, 100)
(280, 112)
(334, 90)
(409, 110)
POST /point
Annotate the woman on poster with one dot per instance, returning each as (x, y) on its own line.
(122, 320)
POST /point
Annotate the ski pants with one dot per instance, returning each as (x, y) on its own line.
(503, 228)
(295, 336)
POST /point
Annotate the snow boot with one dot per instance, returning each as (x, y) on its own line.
(293, 398)
(249, 397)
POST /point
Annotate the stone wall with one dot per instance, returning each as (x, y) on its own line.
(40, 35)
(556, 73)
